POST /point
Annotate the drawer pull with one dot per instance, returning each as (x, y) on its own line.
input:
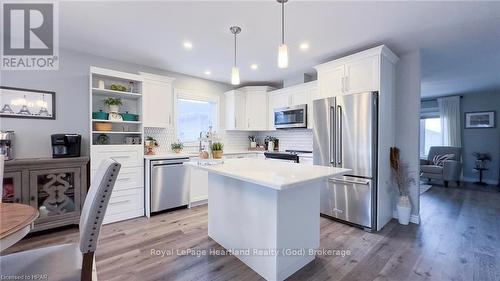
(120, 156)
(123, 179)
(119, 202)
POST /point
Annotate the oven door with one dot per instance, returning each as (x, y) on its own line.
(290, 117)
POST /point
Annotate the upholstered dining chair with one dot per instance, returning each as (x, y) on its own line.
(69, 261)
(2, 164)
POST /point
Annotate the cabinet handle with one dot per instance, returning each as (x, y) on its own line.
(119, 202)
(170, 119)
(248, 125)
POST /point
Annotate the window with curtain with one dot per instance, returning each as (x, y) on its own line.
(194, 115)
(431, 134)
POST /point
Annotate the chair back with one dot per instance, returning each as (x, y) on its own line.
(442, 150)
(2, 164)
(96, 203)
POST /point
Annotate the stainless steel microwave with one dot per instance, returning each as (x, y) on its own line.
(290, 117)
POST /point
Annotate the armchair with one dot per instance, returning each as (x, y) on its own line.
(449, 171)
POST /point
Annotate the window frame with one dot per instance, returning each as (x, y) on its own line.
(197, 96)
(422, 133)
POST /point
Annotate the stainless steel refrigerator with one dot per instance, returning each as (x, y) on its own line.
(345, 135)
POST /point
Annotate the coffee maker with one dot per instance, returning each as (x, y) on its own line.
(7, 144)
(66, 145)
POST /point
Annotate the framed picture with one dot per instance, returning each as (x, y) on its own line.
(27, 103)
(482, 119)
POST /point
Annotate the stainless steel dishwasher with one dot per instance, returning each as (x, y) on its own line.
(169, 184)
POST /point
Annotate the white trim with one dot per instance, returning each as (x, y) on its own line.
(156, 77)
(198, 201)
(413, 218)
(379, 50)
(115, 74)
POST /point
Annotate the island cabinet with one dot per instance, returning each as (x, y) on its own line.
(244, 108)
(55, 187)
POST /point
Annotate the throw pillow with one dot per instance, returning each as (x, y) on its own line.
(439, 159)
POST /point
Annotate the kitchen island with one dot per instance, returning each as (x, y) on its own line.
(266, 213)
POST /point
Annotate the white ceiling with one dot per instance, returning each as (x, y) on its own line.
(460, 41)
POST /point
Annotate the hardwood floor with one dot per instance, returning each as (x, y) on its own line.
(458, 239)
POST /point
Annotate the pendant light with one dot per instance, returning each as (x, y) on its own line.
(235, 72)
(282, 49)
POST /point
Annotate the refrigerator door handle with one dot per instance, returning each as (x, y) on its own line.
(332, 136)
(339, 142)
(366, 182)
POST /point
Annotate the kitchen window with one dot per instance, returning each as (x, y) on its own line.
(194, 115)
(430, 134)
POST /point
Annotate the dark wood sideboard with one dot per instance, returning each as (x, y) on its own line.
(56, 187)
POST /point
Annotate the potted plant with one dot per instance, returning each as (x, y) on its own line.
(150, 144)
(177, 146)
(402, 180)
(113, 104)
(217, 150)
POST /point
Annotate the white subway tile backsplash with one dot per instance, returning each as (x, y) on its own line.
(293, 139)
(233, 140)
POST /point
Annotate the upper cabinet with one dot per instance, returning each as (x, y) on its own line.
(157, 100)
(356, 73)
(290, 96)
(243, 108)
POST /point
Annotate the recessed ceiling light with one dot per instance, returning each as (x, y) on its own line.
(304, 46)
(208, 72)
(188, 45)
(254, 66)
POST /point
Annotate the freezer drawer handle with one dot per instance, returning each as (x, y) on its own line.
(335, 210)
(349, 181)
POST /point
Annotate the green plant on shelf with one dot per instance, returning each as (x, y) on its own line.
(113, 101)
(217, 146)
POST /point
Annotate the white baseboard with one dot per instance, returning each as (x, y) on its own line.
(413, 218)
(202, 200)
(488, 181)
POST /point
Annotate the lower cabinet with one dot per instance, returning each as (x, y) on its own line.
(127, 198)
(55, 187)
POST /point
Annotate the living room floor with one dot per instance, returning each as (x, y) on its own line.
(458, 239)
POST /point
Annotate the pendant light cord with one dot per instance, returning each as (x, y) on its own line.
(283, 22)
(235, 49)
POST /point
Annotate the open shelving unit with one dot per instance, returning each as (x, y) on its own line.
(124, 141)
(132, 103)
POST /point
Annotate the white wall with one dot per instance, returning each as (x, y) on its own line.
(407, 120)
(71, 84)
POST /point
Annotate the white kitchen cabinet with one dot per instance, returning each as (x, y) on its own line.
(256, 110)
(356, 73)
(332, 81)
(157, 101)
(243, 108)
(235, 110)
(362, 75)
(198, 193)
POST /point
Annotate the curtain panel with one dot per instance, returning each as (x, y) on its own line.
(449, 110)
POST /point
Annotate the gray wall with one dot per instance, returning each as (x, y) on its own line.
(481, 140)
(71, 84)
(408, 119)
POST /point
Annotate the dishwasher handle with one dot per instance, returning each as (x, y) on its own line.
(176, 161)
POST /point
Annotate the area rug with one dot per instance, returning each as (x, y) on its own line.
(424, 187)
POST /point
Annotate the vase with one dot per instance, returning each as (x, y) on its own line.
(404, 210)
(270, 146)
(217, 154)
(114, 108)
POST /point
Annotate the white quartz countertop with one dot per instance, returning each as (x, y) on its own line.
(273, 174)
